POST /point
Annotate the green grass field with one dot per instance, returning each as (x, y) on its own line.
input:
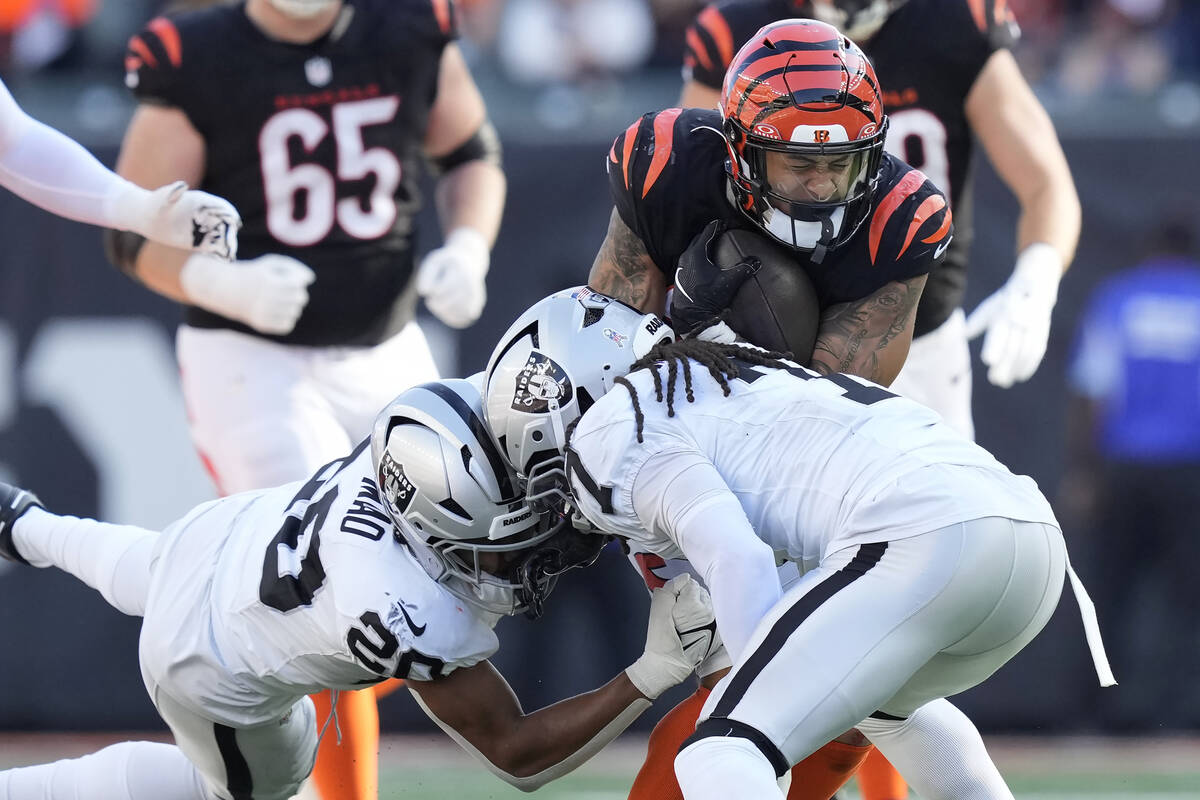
(1036, 769)
(431, 768)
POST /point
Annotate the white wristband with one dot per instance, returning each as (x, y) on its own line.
(206, 282)
(473, 244)
(128, 207)
(1040, 267)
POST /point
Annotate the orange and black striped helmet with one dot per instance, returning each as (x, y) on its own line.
(800, 88)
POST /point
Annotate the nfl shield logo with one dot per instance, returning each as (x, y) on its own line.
(318, 70)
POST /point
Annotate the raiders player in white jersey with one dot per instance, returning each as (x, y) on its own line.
(254, 601)
(56, 173)
(927, 564)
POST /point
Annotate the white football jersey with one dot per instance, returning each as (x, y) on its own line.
(259, 598)
(817, 463)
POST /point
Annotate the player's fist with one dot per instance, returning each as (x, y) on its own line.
(1016, 317)
(681, 633)
(451, 278)
(267, 293)
(703, 289)
(188, 219)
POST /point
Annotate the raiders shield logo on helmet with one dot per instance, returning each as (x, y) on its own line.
(540, 381)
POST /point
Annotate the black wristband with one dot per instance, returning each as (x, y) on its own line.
(122, 248)
(484, 145)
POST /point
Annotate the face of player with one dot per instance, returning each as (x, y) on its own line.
(805, 179)
(500, 563)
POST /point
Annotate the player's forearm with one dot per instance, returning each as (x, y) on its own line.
(567, 733)
(624, 270)
(472, 195)
(738, 568)
(869, 337)
(54, 172)
(1051, 214)
(159, 267)
(551, 742)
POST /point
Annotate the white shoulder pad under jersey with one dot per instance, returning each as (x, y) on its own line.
(604, 461)
(314, 590)
(817, 462)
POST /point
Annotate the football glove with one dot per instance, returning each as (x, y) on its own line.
(681, 633)
(267, 293)
(1017, 317)
(702, 288)
(451, 278)
(178, 217)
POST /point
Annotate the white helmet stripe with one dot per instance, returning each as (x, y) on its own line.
(495, 461)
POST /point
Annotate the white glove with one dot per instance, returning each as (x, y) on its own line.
(267, 293)
(174, 216)
(718, 659)
(681, 633)
(1017, 317)
(451, 278)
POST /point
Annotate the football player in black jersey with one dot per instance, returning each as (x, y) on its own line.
(313, 117)
(947, 76)
(795, 151)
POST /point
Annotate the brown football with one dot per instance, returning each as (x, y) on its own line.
(777, 307)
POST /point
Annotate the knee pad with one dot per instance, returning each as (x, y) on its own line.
(720, 726)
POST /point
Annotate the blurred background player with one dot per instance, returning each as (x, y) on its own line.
(1132, 470)
(947, 76)
(866, 228)
(234, 637)
(313, 116)
(56, 173)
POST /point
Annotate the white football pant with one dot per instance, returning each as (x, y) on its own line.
(937, 373)
(263, 414)
(878, 629)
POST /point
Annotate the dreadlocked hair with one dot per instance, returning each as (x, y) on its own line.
(719, 359)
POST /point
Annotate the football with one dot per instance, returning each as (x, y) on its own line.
(777, 307)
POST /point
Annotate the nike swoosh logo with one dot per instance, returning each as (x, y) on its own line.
(679, 286)
(412, 626)
(941, 248)
(710, 629)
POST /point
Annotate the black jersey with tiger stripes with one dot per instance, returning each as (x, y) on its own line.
(666, 174)
(318, 145)
(927, 56)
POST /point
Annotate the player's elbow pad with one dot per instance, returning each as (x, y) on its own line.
(484, 145)
(122, 249)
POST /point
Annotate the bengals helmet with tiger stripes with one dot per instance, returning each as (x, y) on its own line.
(803, 91)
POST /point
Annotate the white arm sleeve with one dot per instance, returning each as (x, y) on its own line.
(533, 782)
(681, 495)
(54, 172)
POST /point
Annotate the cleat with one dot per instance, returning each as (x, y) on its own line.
(13, 503)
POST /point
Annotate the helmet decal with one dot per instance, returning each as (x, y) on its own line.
(397, 489)
(538, 383)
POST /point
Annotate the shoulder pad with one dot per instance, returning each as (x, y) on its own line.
(153, 57)
(911, 219)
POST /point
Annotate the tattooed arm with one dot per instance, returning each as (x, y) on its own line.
(624, 270)
(869, 337)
